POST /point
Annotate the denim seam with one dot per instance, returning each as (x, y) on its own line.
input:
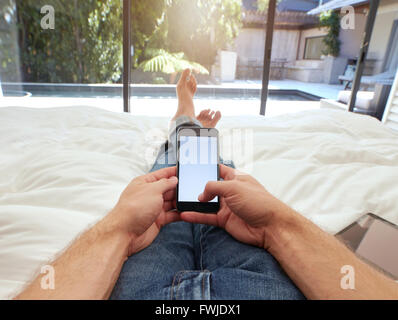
(201, 248)
(179, 281)
(172, 284)
(203, 287)
(180, 275)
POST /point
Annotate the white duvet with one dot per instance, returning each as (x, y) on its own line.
(63, 169)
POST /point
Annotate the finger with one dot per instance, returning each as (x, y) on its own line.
(169, 217)
(227, 173)
(169, 195)
(168, 206)
(200, 218)
(216, 188)
(164, 185)
(162, 173)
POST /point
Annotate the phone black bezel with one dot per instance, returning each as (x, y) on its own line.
(204, 207)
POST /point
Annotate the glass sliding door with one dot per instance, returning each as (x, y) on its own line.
(216, 39)
(380, 65)
(61, 53)
(296, 68)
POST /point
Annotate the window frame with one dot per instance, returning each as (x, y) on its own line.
(305, 46)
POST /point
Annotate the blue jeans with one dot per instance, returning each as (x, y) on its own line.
(188, 261)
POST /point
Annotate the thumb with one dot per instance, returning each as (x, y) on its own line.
(164, 185)
(215, 188)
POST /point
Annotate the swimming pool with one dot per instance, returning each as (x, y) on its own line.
(150, 92)
(159, 100)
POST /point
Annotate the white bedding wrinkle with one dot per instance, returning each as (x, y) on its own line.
(63, 169)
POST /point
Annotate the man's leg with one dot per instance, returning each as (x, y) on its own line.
(240, 271)
(150, 274)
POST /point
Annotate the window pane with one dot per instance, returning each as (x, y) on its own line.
(314, 48)
(297, 76)
(380, 65)
(210, 37)
(61, 53)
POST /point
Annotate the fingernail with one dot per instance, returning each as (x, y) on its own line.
(173, 179)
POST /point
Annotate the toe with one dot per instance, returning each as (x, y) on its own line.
(192, 80)
(205, 113)
(183, 79)
(194, 83)
(217, 117)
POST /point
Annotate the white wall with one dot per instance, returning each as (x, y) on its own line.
(250, 44)
(284, 45)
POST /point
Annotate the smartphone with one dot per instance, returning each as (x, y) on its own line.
(197, 164)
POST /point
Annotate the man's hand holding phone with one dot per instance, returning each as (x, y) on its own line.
(246, 207)
(147, 204)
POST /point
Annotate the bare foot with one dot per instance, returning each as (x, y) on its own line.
(209, 118)
(186, 86)
(186, 89)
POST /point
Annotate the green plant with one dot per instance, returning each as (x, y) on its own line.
(199, 28)
(331, 21)
(86, 44)
(147, 19)
(84, 47)
(165, 62)
(159, 80)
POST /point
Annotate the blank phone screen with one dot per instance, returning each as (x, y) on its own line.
(198, 160)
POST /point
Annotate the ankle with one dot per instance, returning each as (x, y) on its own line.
(185, 110)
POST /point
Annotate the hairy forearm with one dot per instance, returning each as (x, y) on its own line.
(86, 270)
(313, 260)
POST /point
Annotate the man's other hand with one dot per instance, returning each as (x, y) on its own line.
(246, 207)
(147, 204)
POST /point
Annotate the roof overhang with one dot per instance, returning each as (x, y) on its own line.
(288, 19)
(336, 4)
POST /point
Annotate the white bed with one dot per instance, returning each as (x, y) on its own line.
(63, 169)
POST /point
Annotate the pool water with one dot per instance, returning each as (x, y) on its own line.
(275, 96)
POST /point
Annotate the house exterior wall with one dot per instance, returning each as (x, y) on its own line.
(285, 44)
(351, 40)
(309, 33)
(250, 44)
(387, 14)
